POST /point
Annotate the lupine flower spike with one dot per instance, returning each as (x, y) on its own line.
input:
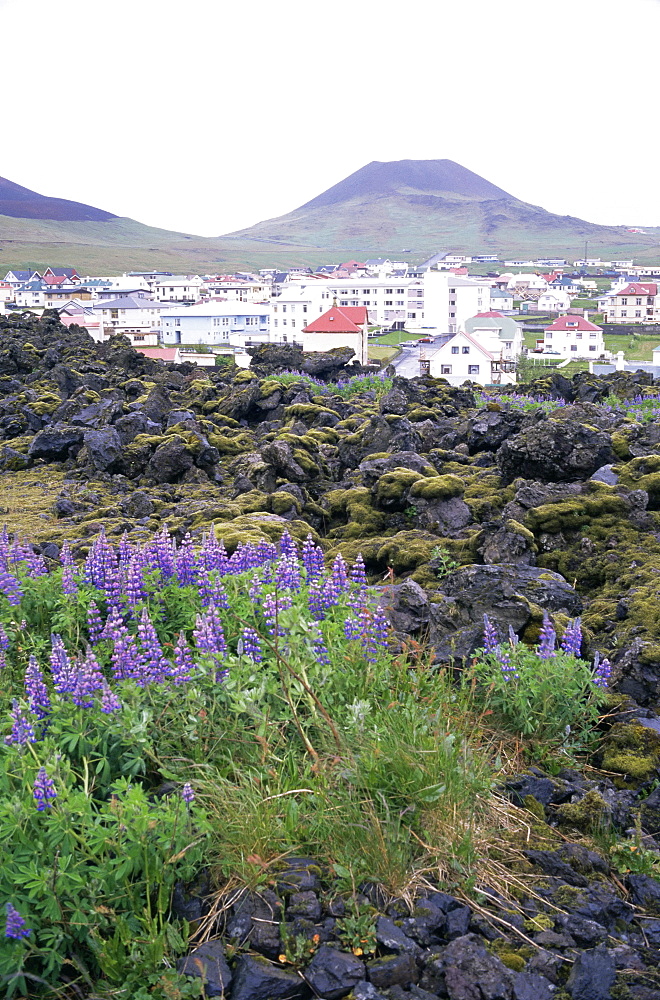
(44, 790)
(15, 926)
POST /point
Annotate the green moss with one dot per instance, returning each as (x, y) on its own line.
(407, 550)
(541, 922)
(240, 378)
(307, 411)
(512, 960)
(589, 814)
(231, 444)
(572, 515)
(394, 485)
(306, 463)
(47, 403)
(534, 806)
(438, 488)
(421, 413)
(281, 503)
(632, 751)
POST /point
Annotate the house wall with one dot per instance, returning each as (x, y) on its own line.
(574, 343)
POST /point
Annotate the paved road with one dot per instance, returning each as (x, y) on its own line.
(407, 364)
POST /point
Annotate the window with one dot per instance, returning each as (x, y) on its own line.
(592, 347)
(354, 302)
(574, 347)
(624, 302)
(445, 369)
(578, 335)
(452, 291)
(452, 302)
(177, 322)
(293, 322)
(304, 309)
(452, 314)
(366, 302)
(388, 302)
(274, 322)
(624, 312)
(283, 309)
(343, 302)
(508, 344)
(389, 291)
(592, 335)
(638, 302)
(548, 335)
(465, 350)
(454, 350)
(400, 291)
(400, 302)
(412, 315)
(638, 312)
(365, 291)
(473, 369)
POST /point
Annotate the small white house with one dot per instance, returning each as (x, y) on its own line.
(501, 299)
(178, 288)
(463, 358)
(554, 301)
(138, 319)
(574, 337)
(499, 334)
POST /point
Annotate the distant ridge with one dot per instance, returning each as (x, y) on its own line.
(388, 178)
(21, 203)
(432, 205)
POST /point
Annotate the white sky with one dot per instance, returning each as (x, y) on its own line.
(206, 116)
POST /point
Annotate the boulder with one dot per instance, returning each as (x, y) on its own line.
(104, 448)
(257, 979)
(209, 964)
(333, 974)
(554, 451)
(56, 443)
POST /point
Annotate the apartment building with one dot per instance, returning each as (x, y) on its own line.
(636, 302)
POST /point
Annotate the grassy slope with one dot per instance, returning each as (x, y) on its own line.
(359, 227)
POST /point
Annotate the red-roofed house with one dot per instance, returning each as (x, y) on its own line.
(574, 337)
(638, 302)
(339, 327)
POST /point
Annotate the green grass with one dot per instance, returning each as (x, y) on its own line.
(378, 352)
(636, 347)
(396, 338)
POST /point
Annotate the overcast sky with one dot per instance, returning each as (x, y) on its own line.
(206, 116)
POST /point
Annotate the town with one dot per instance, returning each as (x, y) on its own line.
(442, 317)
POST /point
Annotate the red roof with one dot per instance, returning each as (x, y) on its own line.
(637, 288)
(570, 323)
(159, 353)
(348, 319)
(489, 315)
(55, 279)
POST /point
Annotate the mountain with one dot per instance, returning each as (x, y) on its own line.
(430, 205)
(21, 203)
(426, 206)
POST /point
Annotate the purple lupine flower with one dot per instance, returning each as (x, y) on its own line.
(183, 661)
(10, 587)
(22, 730)
(36, 565)
(266, 552)
(15, 926)
(88, 680)
(339, 574)
(134, 588)
(66, 557)
(155, 666)
(287, 573)
(213, 555)
(251, 645)
(491, 638)
(94, 623)
(36, 692)
(69, 586)
(352, 628)
(602, 671)
(114, 626)
(312, 559)
(272, 606)
(357, 572)
(44, 790)
(109, 701)
(547, 640)
(4, 639)
(165, 553)
(187, 794)
(126, 661)
(64, 674)
(513, 638)
(126, 549)
(186, 562)
(287, 545)
(571, 642)
(503, 656)
(319, 647)
(255, 590)
(101, 563)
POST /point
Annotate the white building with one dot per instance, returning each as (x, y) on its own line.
(574, 337)
(178, 288)
(138, 318)
(554, 301)
(439, 300)
(500, 335)
(463, 358)
(234, 289)
(219, 323)
(501, 299)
